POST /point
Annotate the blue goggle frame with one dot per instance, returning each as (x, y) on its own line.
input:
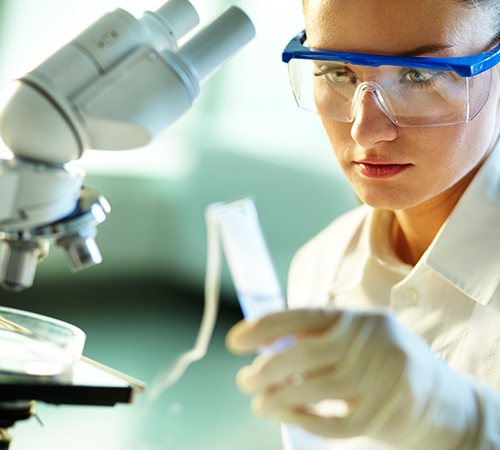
(465, 66)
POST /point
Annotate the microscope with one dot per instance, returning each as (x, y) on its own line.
(115, 86)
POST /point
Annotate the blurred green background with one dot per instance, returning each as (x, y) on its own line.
(142, 306)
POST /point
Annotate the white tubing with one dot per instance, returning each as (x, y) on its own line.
(211, 307)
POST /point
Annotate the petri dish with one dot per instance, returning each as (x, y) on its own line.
(36, 345)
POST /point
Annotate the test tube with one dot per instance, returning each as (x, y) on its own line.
(254, 276)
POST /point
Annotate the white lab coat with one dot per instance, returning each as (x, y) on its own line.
(451, 297)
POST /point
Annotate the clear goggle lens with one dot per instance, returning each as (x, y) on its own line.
(410, 97)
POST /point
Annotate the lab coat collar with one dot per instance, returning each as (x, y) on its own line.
(370, 242)
(356, 257)
(466, 251)
(479, 239)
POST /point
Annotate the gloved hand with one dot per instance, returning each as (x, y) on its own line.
(397, 390)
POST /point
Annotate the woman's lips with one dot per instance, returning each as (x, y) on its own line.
(380, 169)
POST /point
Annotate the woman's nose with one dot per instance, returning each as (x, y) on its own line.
(371, 124)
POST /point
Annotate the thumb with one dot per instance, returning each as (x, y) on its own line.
(247, 337)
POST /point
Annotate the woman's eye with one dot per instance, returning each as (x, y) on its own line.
(417, 76)
(339, 76)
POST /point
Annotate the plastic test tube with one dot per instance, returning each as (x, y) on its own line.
(252, 270)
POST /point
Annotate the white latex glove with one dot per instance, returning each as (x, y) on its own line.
(397, 390)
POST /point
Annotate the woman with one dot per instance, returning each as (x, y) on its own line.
(395, 304)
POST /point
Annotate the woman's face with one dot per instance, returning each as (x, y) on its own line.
(392, 167)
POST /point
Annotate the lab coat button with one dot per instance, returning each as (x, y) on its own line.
(411, 297)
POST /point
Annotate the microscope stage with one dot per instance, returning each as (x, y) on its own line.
(88, 383)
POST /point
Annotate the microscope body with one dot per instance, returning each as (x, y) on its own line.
(116, 86)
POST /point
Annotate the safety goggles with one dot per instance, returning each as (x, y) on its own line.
(412, 91)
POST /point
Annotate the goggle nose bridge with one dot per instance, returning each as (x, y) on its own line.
(380, 95)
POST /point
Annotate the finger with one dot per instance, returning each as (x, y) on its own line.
(305, 357)
(232, 339)
(245, 378)
(312, 390)
(362, 377)
(246, 337)
(340, 346)
(331, 427)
